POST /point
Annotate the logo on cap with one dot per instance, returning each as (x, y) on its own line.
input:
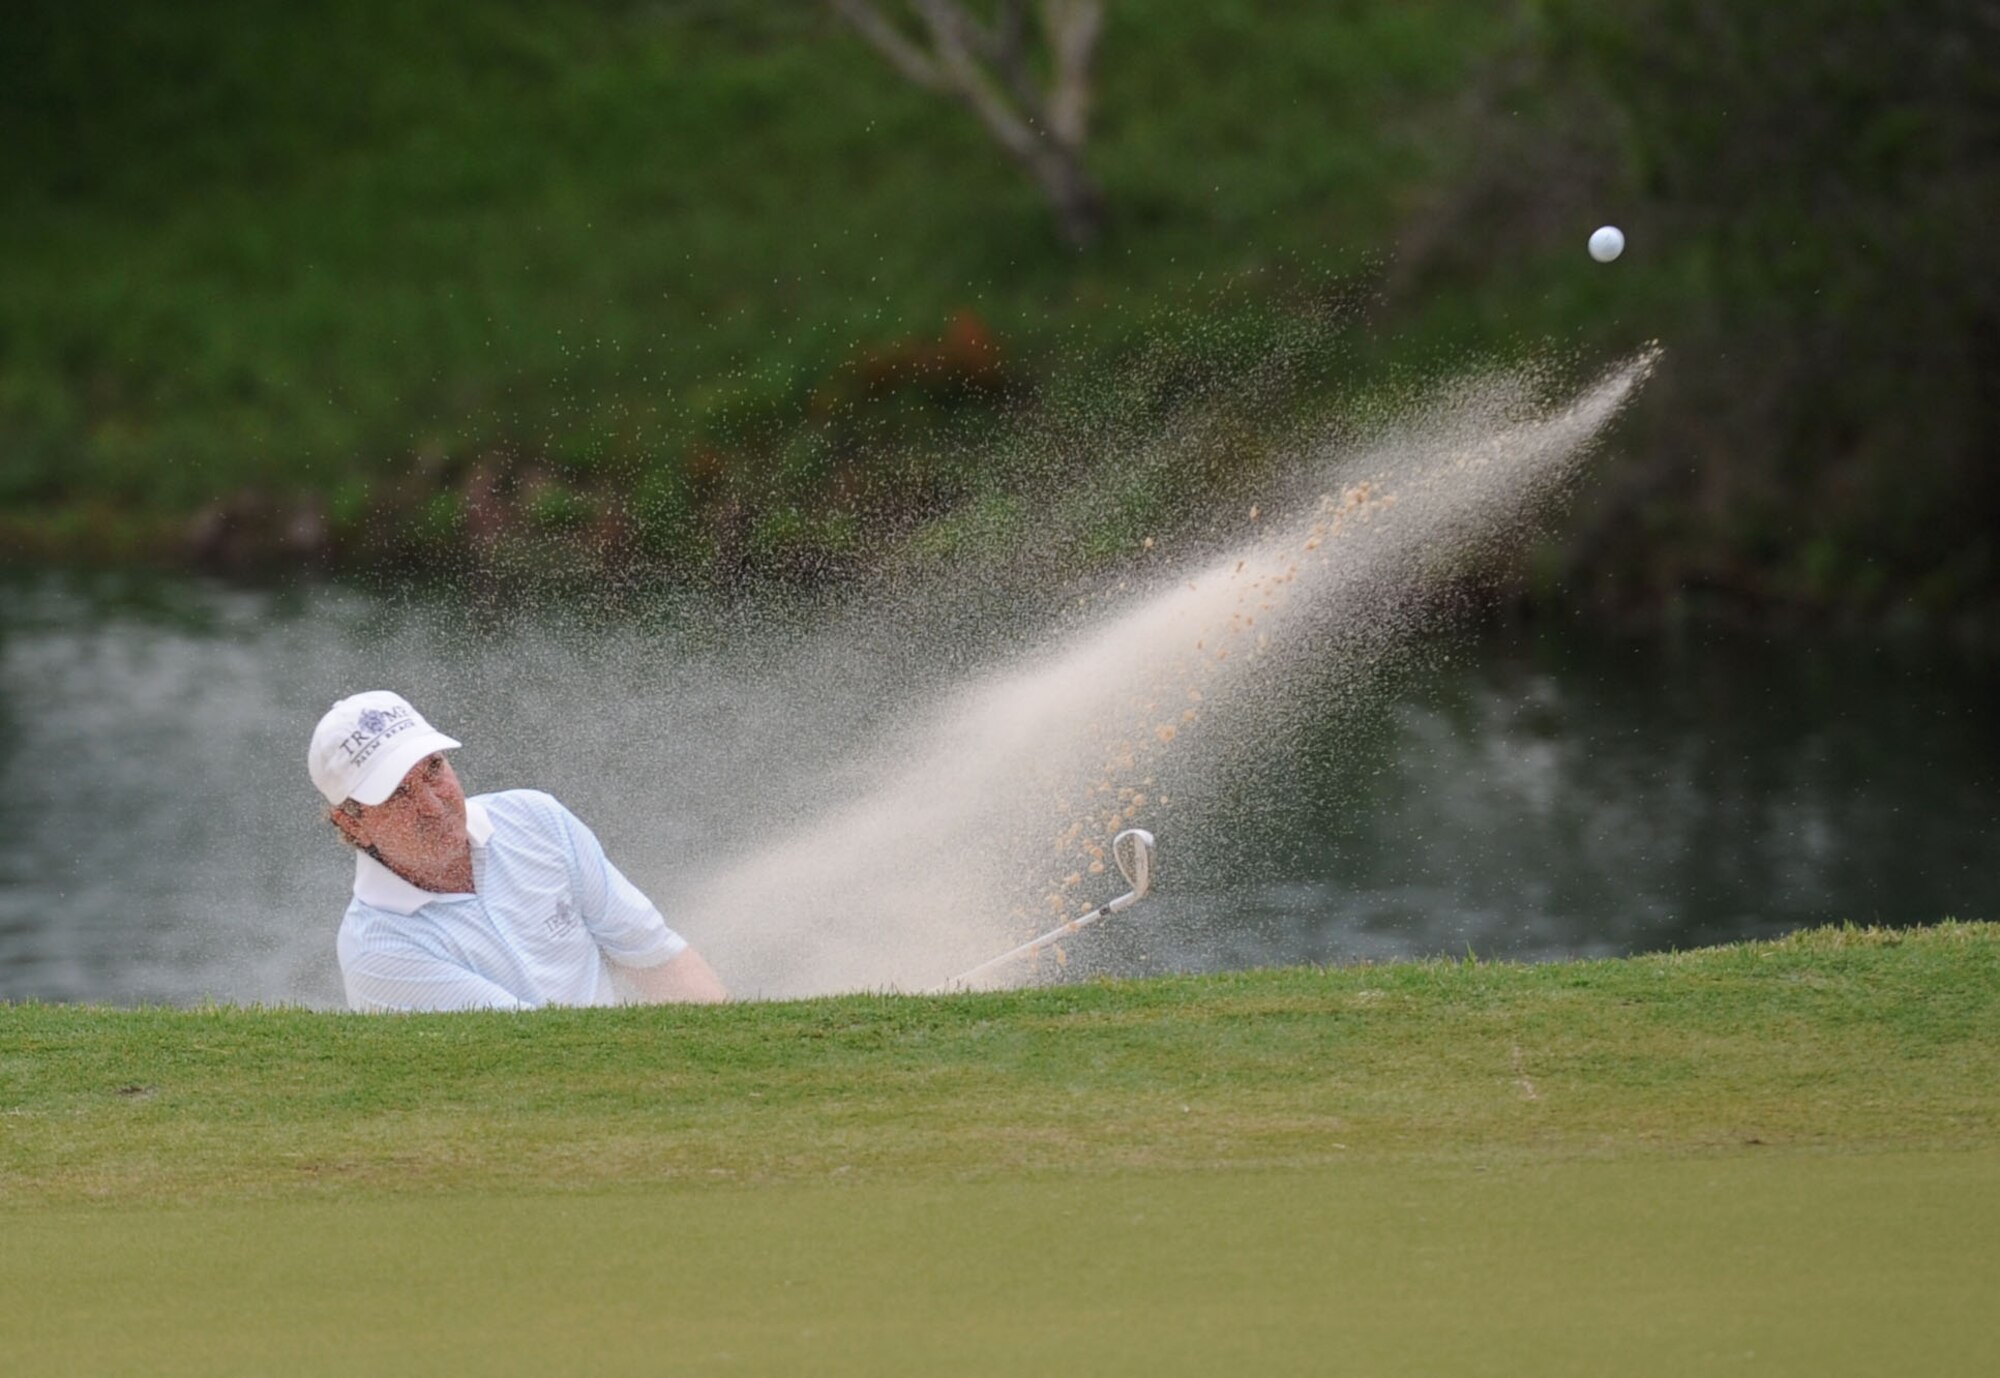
(372, 727)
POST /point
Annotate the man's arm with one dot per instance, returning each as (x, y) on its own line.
(385, 978)
(629, 930)
(685, 978)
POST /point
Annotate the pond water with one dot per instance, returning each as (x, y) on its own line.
(1520, 793)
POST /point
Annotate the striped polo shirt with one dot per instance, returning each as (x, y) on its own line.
(547, 916)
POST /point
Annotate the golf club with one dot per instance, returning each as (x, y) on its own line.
(1133, 851)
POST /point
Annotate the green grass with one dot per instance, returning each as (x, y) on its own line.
(1779, 1157)
(596, 234)
(1768, 1264)
(1838, 1040)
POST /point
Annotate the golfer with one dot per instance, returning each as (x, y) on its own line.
(501, 901)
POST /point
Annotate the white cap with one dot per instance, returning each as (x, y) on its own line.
(366, 744)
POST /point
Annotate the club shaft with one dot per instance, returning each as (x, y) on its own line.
(1034, 945)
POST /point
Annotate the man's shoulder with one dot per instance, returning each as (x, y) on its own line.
(521, 806)
(526, 818)
(364, 927)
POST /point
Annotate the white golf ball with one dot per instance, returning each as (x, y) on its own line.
(1606, 243)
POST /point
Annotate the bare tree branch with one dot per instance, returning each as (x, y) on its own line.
(888, 40)
(1074, 27)
(944, 18)
(988, 70)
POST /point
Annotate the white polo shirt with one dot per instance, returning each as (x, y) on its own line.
(547, 915)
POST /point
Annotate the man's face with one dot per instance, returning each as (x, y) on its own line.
(421, 824)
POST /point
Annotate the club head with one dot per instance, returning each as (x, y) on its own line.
(1133, 851)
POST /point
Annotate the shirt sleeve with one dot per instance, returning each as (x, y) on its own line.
(626, 926)
(399, 979)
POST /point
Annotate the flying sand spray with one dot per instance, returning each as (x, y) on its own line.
(1024, 778)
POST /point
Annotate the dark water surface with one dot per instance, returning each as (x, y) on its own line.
(1533, 794)
(1552, 792)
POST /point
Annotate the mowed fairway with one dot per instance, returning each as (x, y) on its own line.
(1770, 1264)
(1774, 1159)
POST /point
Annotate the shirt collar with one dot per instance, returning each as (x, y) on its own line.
(379, 887)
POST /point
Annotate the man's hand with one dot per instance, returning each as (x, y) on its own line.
(685, 979)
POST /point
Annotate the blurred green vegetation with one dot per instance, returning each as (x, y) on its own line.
(707, 286)
(1825, 176)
